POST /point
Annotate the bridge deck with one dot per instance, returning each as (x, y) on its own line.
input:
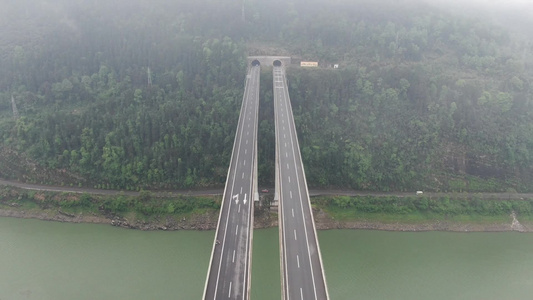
(229, 270)
(301, 262)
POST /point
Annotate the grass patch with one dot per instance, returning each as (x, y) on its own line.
(525, 218)
(146, 206)
(414, 217)
(390, 209)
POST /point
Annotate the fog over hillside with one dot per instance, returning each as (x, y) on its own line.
(430, 94)
(517, 15)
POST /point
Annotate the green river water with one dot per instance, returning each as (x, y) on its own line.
(60, 261)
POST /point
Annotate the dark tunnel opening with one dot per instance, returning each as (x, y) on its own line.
(256, 63)
(277, 63)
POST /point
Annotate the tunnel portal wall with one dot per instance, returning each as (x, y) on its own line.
(269, 60)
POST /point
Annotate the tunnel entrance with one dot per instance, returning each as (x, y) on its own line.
(256, 63)
(277, 63)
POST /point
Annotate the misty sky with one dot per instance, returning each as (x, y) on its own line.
(516, 15)
(519, 6)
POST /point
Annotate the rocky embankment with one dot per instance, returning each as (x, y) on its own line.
(262, 219)
(206, 221)
(203, 221)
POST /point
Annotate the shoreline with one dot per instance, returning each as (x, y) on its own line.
(171, 211)
(264, 219)
(324, 222)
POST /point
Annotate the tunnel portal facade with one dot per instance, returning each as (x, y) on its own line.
(269, 60)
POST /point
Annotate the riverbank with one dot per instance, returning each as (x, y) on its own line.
(185, 212)
(208, 221)
(396, 223)
(198, 220)
(453, 212)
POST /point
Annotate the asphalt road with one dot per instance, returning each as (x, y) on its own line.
(229, 269)
(303, 275)
(214, 191)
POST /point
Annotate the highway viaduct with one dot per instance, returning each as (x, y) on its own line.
(302, 271)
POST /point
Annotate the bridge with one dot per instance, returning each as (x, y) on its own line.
(302, 270)
(301, 262)
(229, 270)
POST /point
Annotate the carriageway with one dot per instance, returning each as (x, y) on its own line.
(229, 269)
(302, 270)
(301, 262)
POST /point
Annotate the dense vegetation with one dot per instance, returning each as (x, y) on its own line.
(133, 94)
(91, 109)
(412, 128)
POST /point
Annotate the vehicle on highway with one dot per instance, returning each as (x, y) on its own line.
(264, 191)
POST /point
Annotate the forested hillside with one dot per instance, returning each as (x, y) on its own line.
(146, 94)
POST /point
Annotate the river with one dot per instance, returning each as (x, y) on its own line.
(60, 261)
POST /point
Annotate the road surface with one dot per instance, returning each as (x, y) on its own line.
(229, 269)
(302, 271)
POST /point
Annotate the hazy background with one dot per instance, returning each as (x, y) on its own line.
(515, 14)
